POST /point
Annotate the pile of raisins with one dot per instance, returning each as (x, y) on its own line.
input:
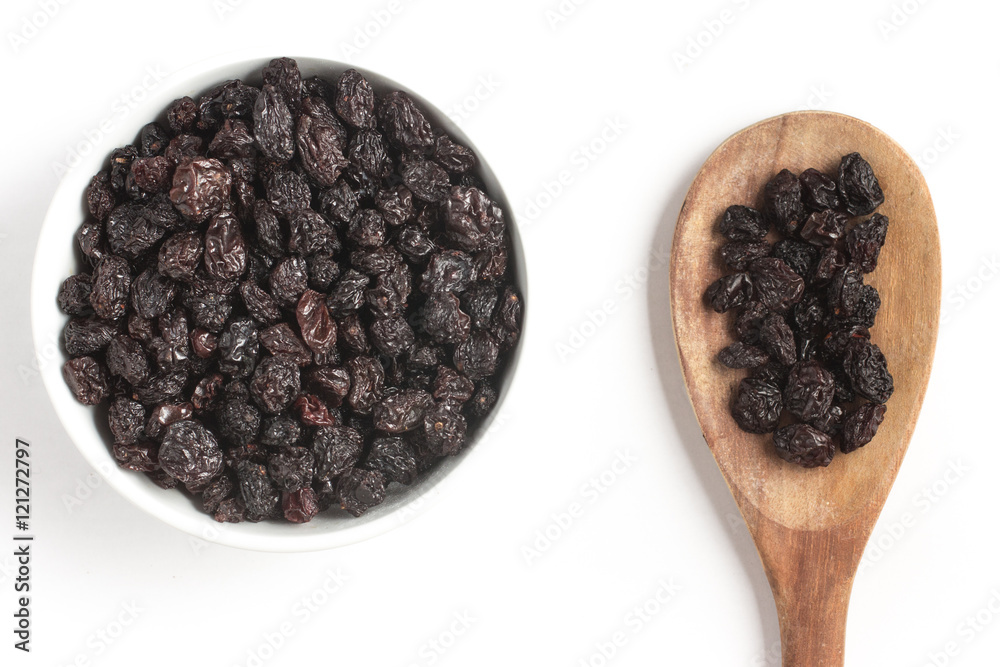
(802, 311)
(291, 295)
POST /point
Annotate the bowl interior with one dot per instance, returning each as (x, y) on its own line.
(56, 260)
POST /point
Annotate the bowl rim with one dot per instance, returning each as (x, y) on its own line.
(137, 488)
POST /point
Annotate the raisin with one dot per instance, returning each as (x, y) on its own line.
(392, 336)
(153, 174)
(201, 188)
(404, 121)
(859, 190)
(360, 490)
(281, 341)
(729, 292)
(284, 75)
(369, 154)
(183, 146)
(182, 115)
(454, 157)
(87, 336)
(205, 393)
(748, 322)
(141, 457)
(314, 412)
(209, 307)
(257, 490)
(339, 203)
(804, 445)
(180, 255)
(319, 139)
(280, 431)
(129, 233)
(90, 239)
(319, 331)
(74, 295)
(472, 220)
(126, 419)
(740, 355)
(100, 197)
(866, 367)
(336, 449)
(126, 359)
(757, 405)
(444, 430)
(165, 414)
(865, 241)
(829, 263)
(239, 421)
(289, 279)
(190, 453)
(297, 217)
(809, 392)
(218, 490)
(401, 412)
(426, 179)
(333, 384)
(352, 334)
(415, 243)
(819, 191)
(355, 100)
(291, 468)
(452, 387)
(367, 228)
(367, 379)
(800, 257)
(275, 384)
(394, 458)
(152, 294)
(824, 228)
(230, 510)
(479, 302)
(476, 356)
(831, 422)
(776, 285)
(349, 292)
(737, 255)
(238, 348)
(783, 205)
(860, 426)
(443, 320)
(482, 402)
(448, 271)
(232, 141)
(742, 223)
(161, 386)
(110, 288)
(273, 126)
(395, 205)
(323, 270)
(299, 506)
(310, 234)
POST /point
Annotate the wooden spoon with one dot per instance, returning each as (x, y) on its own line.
(810, 526)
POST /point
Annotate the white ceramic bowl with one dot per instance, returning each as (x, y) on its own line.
(55, 260)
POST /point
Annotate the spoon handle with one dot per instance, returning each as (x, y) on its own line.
(813, 624)
(811, 573)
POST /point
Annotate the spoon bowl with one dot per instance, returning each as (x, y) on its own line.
(810, 526)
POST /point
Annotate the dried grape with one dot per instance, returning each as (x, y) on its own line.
(293, 296)
(803, 312)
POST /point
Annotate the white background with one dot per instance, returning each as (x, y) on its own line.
(930, 81)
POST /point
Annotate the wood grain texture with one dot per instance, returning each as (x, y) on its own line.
(810, 526)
